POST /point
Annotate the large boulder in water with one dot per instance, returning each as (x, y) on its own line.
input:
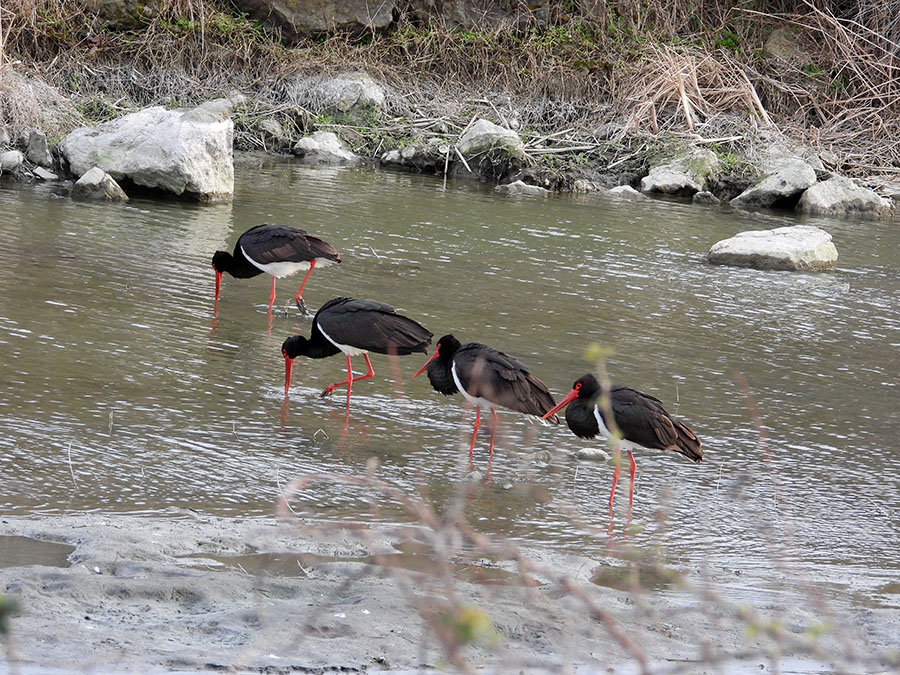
(800, 247)
(180, 151)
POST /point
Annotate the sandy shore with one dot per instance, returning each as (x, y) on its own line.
(192, 592)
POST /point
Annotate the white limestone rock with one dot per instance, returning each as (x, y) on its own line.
(11, 160)
(799, 247)
(683, 175)
(324, 147)
(180, 151)
(485, 136)
(787, 178)
(99, 185)
(840, 196)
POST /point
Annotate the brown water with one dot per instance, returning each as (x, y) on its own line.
(120, 391)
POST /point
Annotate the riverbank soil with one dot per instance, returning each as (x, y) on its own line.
(192, 592)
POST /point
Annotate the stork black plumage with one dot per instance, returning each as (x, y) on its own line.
(355, 327)
(639, 421)
(487, 378)
(278, 250)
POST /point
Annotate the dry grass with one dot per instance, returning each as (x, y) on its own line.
(658, 65)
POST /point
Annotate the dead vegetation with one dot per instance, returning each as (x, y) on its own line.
(655, 67)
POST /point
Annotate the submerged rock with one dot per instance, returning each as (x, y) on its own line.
(324, 147)
(181, 151)
(522, 188)
(840, 196)
(787, 178)
(683, 175)
(97, 184)
(705, 198)
(799, 247)
(626, 192)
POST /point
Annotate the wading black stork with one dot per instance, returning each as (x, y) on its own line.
(355, 327)
(487, 378)
(639, 419)
(277, 250)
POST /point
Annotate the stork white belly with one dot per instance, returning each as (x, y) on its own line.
(347, 349)
(607, 434)
(474, 400)
(287, 268)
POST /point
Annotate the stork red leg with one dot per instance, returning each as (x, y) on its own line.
(633, 469)
(493, 431)
(615, 479)
(272, 296)
(349, 381)
(299, 299)
(475, 432)
(331, 387)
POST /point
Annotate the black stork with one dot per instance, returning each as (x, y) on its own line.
(355, 327)
(639, 420)
(278, 250)
(487, 378)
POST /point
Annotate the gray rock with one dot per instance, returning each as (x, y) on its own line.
(706, 198)
(626, 192)
(522, 188)
(484, 136)
(4, 138)
(799, 247)
(840, 196)
(324, 147)
(99, 185)
(124, 14)
(274, 135)
(428, 156)
(593, 454)
(37, 151)
(350, 96)
(683, 175)
(181, 151)
(784, 44)
(582, 185)
(491, 151)
(43, 174)
(11, 160)
(296, 19)
(787, 178)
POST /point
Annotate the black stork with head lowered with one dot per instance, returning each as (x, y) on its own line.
(487, 378)
(355, 327)
(639, 421)
(278, 250)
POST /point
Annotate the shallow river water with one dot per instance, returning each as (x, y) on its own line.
(122, 390)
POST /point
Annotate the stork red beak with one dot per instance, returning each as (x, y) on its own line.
(218, 282)
(567, 399)
(430, 359)
(288, 366)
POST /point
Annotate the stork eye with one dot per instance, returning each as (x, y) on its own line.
(578, 386)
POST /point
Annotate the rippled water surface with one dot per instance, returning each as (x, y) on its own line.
(120, 390)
